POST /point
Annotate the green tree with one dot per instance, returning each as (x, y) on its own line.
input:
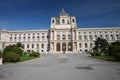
(101, 45)
(114, 49)
(19, 45)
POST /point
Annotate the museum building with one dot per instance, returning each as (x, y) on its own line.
(63, 36)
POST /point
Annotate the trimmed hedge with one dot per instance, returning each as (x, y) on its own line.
(11, 57)
(34, 54)
(95, 54)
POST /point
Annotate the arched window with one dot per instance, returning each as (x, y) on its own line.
(86, 45)
(58, 37)
(37, 46)
(67, 21)
(63, 21)
(90, 37)
(73, 20)
(32, 45)
(69, 37)
(85, 37)
(53, 21)
(42, 45)
(63, 37)
(80, 45)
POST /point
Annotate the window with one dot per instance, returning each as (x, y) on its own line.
(52, 21)
(42, 45)
(73, 20)
(86, 45)
(80, 45)
(85, 37)
(23, 46)
(90, 37)
(42, 33)
(63, 37)
(32, 45)
(33, 38)
(112, 38)
(27, 45)
(37, 46)
(80, 38)
(67, 21)
(117, 36)
(58, 37)
(69, 37)
(38, 38)
(28, 38)
(63, 21)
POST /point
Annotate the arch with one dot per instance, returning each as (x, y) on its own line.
(63, 37)
(73, 20)
(63, 47)
(63, 21)
(53, 21)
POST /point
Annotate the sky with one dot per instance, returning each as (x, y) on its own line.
(36, 14)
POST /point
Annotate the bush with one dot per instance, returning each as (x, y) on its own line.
(11, 57)
(95, 54)
(34, 54)
(117, 55)
(13, 49)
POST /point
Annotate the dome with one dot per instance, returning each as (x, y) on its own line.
(63, 13)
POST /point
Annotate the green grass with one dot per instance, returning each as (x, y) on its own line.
(105, 57)
(25, 58)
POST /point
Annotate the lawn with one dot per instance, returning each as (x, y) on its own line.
(105, 57)
(25, 58)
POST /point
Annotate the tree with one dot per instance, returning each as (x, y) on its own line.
(114, 49)
(101, 45)
(19, 45)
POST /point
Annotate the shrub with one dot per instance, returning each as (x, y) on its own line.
(13, 49)
(117, 55)
(17, 50)
(11, 57)
(34, 54)
(95, 54)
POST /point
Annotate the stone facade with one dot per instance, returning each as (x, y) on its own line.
(63, 36)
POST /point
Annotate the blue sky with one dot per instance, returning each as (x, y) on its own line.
(36, 14)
